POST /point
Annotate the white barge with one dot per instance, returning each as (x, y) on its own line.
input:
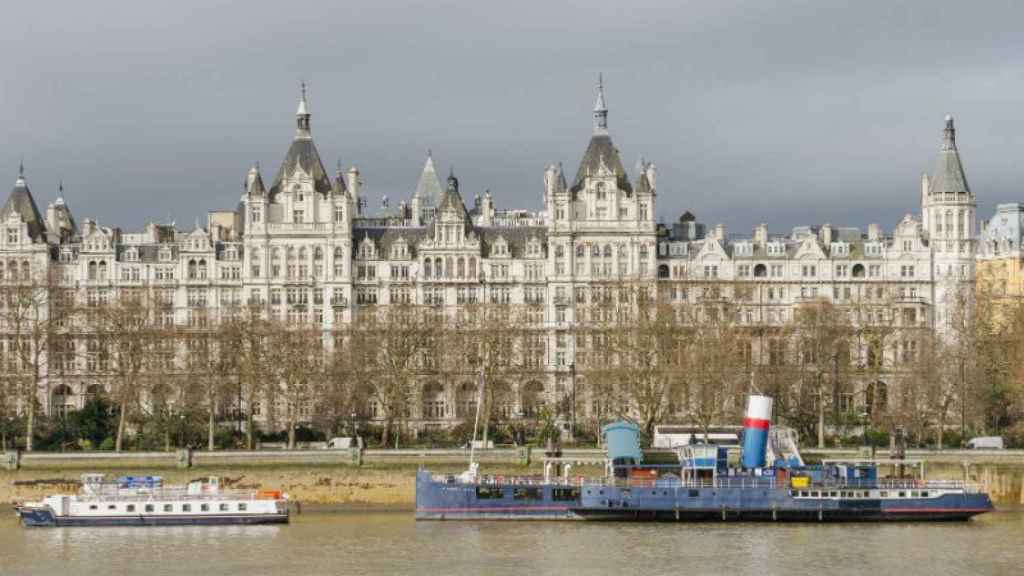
(145, 501)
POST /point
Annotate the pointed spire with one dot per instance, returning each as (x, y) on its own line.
(302, 116)
(428, 188)
(600, 108)
(949, 135)
(20, 181)
(949, 178)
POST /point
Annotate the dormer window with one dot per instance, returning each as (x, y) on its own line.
(601, 193)
(131, 255)
(13, 235)
(500, 248)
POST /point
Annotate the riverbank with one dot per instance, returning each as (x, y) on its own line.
(388, 485)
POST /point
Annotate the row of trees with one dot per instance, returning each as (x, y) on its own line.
(630, 353)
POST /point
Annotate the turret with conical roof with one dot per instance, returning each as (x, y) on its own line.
(601, 154)
(21, 203)
(302, 156)
(948, 208)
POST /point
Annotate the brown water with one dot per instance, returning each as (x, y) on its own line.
(393, 543)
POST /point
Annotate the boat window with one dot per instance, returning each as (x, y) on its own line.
(694, 493)
(883, 494)
(924, 494)
(93, 507)
(204, 507)
(563, 494)
(527, 493)
(130, 508)
(111, 506)
(913, 494)
(149, 507)
(242, 506)
(186, 507)
(903, 494)
(223, 507)
(833, 494)
(489, 492)
(168, 508)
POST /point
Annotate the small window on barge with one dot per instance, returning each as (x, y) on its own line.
(527, 493)
(489, 492)
(565, 494)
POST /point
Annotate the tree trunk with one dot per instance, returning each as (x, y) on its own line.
(211, 425)
(291, 432)
(821, 420)
(248, 430)
(167, 439)
(120, 429)
(30, 423)
(385, 435)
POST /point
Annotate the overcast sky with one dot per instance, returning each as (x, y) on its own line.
(782, 112)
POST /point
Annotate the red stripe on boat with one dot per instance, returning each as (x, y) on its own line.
(758, 423)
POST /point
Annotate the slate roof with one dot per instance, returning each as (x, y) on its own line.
(428, 188)
(21, 201)
(949, 177)
(385, 237)
(601, 148)
(302, 153)
(516, 237)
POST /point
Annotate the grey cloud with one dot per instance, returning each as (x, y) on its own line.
(783, 112)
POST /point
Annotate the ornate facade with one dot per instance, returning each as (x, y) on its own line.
(306, 248)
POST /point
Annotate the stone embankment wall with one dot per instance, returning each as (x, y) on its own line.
(386, 478)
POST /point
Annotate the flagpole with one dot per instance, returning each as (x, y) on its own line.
(476, 419)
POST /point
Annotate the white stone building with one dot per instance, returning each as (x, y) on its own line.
(304, 247)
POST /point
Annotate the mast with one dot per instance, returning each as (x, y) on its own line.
(476, 421)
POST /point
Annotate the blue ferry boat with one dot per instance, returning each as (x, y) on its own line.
(699, 484)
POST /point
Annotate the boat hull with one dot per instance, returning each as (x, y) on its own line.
(44, 517)
(769, 505)
(451, 500)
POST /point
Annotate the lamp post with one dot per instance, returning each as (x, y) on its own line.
(355, 427)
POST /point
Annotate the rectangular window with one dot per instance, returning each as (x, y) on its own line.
(168, 507)
(485, 492)
(223, 507)
(565, 494)
(149, 507)
(129, 508)
(242, 506)
(527, 493)
(186, 507)
(204, 507)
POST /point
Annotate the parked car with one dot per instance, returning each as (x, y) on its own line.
(985, 443)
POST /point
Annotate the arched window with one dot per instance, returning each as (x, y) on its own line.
(607, 250)
(663, 271)
(102, 270)
(448, 267)
(858, 270)
(1, 270)
(193, 271)
(461, 271)
(302, 254)
(438, 268)
(760, 271)
(291, 254)
(25, 270)
(601, 194)
(92, 270)
(202, 269)
(595, 251)
(471, 271)
(580, 251)
(559, 251)
(426, 268)
(318, 253)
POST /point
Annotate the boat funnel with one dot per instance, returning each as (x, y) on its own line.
(755, 431)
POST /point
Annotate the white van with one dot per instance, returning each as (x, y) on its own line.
(985, 443)
(344, 443)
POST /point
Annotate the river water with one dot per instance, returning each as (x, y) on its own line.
(393, 543)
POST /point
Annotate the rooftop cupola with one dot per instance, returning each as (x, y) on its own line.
(302, 116)
(600, 109)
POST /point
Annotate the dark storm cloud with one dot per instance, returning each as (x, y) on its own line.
(783, 112)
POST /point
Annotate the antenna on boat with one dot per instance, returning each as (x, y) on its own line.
(476, 421)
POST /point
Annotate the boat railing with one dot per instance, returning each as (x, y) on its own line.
(171, 494)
